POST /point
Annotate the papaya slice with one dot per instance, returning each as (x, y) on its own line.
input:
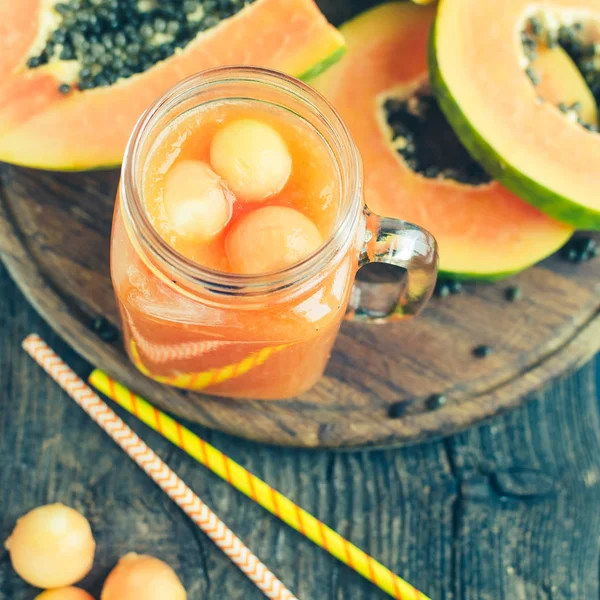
(486, 83)
(76, 75)
(483, 229)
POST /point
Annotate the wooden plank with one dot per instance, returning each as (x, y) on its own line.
(507, 510)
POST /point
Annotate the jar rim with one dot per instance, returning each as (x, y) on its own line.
(232, 283)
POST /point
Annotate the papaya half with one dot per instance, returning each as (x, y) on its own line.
(487, 85)
(415, 167)
(75, 75)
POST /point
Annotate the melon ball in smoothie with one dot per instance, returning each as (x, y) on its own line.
(252, 157)
(271, 238)
(196, 201)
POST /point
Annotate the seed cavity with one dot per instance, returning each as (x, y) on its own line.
(425, 141)
(544, 29)
(114, 39)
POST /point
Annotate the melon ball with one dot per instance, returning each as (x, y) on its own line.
(138, 576)
(69, 593)
(52, 546)
(252, 158)
(269, 239)
(196, 200)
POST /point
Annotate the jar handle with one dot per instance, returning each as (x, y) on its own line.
(404, 245)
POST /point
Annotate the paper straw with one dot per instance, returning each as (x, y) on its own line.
(157, 470)
(202, 379)
(256, 489)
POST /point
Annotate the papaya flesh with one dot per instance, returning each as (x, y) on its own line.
(561, 81)
(68, 114)
(483, 231)
(487, 83)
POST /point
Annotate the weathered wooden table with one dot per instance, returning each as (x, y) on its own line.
(508, 510)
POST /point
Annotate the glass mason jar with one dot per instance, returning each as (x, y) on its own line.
(261, 336)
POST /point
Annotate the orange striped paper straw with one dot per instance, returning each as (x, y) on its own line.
(157, 470)
(256, 489)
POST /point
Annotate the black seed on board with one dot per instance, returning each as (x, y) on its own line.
(513, 293)
(456, 287)
(104, 329)
(446, 287)
(435, 401)
(442, 291)
(397, 409)
(482, 351)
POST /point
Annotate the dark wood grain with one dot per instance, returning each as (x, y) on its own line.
(506, 511)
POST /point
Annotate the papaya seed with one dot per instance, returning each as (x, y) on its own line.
(413, 123)
(102, 31)
(513, 293)
(533, 77)
(435, 401)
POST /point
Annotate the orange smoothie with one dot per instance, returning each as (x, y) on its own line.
(247, 189)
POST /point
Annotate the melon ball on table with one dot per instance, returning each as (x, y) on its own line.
(196, 200)
(252, 158)
(269, 239)
(140, 577)
(52, 546)
(69, 593)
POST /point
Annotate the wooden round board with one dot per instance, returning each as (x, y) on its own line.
(54, 239)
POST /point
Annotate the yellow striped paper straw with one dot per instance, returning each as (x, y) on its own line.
(203, 379)
(256, 489)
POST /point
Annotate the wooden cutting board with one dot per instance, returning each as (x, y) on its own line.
(54, 239)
